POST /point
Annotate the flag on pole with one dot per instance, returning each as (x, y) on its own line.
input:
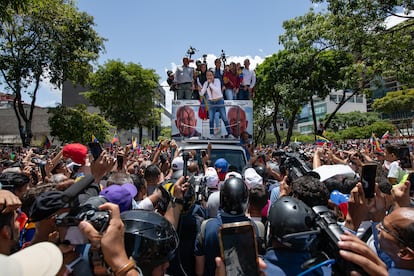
(94, 139)
(375, 143)
(386, 135)
(320, 140)
(134, 142)
(139, 149)
(46, 143)
(115, 140)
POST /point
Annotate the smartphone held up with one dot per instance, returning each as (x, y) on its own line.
(368, 176)
(238, 247)
(96, 149)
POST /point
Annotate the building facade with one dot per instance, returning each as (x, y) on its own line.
(326, 106)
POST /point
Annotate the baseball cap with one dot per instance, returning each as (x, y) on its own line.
(252, 178)
(77, 152)
(43, 258)
(211, 176)
(233, 174)
(177, 163)
(121, 195)
(222, 164)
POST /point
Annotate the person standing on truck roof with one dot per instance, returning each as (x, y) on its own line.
(183, 77)
(215, 103)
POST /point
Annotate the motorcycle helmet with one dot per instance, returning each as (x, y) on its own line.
(233, 196)
(149, 238)
(292, 223)
(261, 170)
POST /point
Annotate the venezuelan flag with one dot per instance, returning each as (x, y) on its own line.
(46, 143)
(94, 139)
(320, 140)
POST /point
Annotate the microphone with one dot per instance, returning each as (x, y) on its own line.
(77, 188)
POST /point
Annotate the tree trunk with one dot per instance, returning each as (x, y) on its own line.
(290, 128)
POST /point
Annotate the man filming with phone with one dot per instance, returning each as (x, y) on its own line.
(233, 204)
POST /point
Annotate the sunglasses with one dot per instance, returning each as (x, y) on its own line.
(381, 227)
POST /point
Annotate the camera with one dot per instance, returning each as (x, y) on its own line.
(328, 239)
(197, 192)
(294, 167)
(87, 211)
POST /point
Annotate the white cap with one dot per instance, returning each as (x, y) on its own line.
(232, 174)
(177, 163)
(252, 178)
(212, 179)
(42, 259)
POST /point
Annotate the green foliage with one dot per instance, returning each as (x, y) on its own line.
(78, 125)
(360, 27)
(364, 132)
(8, 7)
(355, 118)
(48, 39)
(124, 92)
(165, 133)
(398, 101)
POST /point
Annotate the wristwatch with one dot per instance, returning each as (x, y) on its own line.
(175, 201)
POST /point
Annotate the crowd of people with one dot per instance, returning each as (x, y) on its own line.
(158, 212)
(237, 82)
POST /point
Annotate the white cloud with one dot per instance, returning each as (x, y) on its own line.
(393, 21)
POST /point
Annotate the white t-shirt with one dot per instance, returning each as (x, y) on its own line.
(395, 171)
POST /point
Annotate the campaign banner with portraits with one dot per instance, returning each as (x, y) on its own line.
(190, 119)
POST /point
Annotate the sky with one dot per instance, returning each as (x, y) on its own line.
(158, 33)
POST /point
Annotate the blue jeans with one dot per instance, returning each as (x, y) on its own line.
(229, 94)
(214, 107)
(243, 94)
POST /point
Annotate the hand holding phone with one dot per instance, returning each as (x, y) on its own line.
(238, 247)
(368, 176)
(95, 149)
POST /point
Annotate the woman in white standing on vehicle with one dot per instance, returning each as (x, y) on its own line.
(215, 102)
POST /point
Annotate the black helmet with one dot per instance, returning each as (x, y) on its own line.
(261, 170)
(149, 238)
(291, 223)
(233, 196)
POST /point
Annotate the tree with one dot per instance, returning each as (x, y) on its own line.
(280, 89)
(361, 26)
(352, 119)
(393, 102)
(399, 105)
(358, 29)
(124, 93)
(7, 7)
(289, 80)
(49, 40)
(77, 124)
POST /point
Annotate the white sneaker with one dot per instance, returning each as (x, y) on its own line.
(212, 137)
(230, 136)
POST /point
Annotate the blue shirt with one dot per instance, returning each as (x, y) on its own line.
(288, 261)
(209, 245)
